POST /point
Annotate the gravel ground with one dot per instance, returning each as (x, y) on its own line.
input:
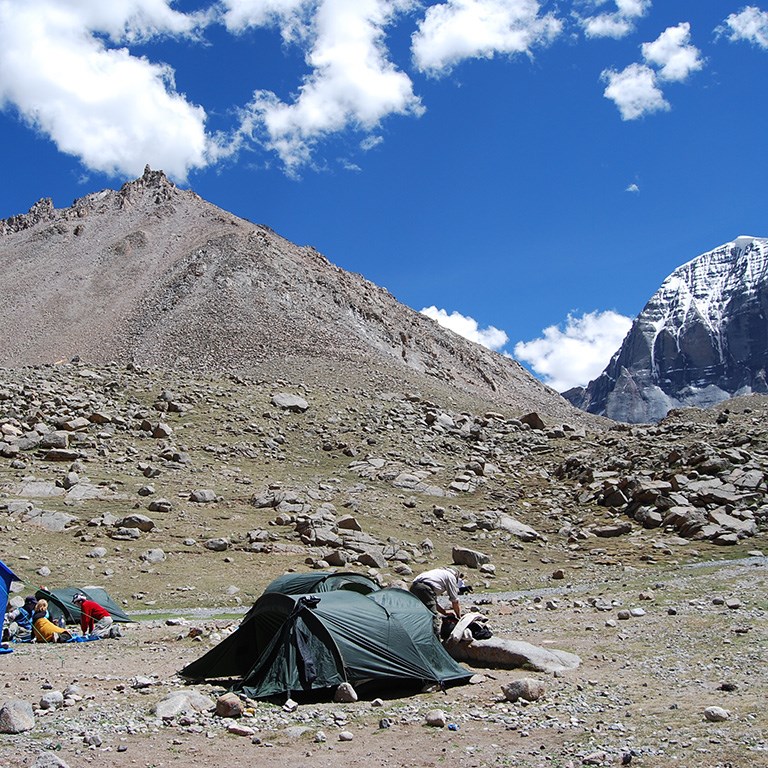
(697, 638)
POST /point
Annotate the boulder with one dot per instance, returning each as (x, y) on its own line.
(183, 703)
(16, 716)
(469, 557)
(527, 688)
(289, 402)
(141, 522)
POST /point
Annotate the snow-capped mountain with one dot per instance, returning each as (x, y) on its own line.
(701, 339)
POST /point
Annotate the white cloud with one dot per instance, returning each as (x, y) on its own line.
(673, 54)
(617, 24)
(489, 337)
(114, 111)
(370, 142)
(573, 356)
(352, 84)
(634, 91)
(632, 188)
(291, 16)
(464, 29)
(749, 24)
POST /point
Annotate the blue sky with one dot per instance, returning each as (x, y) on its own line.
(530, 171)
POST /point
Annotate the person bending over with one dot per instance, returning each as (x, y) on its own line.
(95, 620)
(428, 587)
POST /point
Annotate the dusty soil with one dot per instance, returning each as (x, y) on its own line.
(640, 691)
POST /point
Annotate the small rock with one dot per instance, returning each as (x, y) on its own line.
(345, 694)
(716, 714)
(436, 718)
(236, 729)
(345, 736)
(52, 700)
(527, 688)
(229, 705)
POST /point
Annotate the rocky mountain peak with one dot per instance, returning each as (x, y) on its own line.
(702, 338)
(154, 275)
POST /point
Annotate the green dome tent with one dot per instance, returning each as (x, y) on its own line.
(60, 603)
(322, 581)
(293, 644)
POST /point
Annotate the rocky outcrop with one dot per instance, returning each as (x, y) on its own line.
(701, 339)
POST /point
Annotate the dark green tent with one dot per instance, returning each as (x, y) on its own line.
(322, 581)
(289, 644)
(60, 603)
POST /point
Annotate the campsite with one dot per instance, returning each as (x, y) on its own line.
(621, 701)
(186, 526)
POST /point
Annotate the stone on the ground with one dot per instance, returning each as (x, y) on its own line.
(527, 688)
(436, 718)
(229, 705)
(345, 694)
(49, 760)
(183, 703)
(16, 716)
(716, 714)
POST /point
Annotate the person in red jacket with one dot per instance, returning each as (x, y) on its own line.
(95, 620)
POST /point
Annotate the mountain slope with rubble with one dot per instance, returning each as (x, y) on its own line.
(155, 275)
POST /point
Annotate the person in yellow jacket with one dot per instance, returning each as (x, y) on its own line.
(43, 629)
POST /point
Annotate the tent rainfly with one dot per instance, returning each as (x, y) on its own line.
(292, 644)
(60, 603)
(322, 581)
(6, 577)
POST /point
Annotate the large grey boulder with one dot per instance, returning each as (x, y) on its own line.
(16, 716)
(183, 703)
(503, 653)
(289, 402)
(469, 557)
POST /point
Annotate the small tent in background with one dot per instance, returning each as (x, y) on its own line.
(322, 581)
(6, 577)
(293, 644)
(60, 603)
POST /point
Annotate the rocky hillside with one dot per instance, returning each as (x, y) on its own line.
(701, 339)
(131, 468)
(154, 275)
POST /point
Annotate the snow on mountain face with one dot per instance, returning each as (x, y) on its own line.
(702, 338)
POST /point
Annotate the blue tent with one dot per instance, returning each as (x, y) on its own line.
(6, 577)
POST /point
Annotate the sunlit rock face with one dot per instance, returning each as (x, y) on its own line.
(701, 339)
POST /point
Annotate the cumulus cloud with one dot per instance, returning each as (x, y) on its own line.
(618, 23)
(293, 17)
(114, 111)
(574, 355)
(634, 91)
(352, 84)
(673, 54)
(464, 29)
(489, 337)
(632, 188)
(749, 24)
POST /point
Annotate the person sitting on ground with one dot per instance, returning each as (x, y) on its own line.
(428, 586)
(45, 630)
(95, 620)
(20, 621)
